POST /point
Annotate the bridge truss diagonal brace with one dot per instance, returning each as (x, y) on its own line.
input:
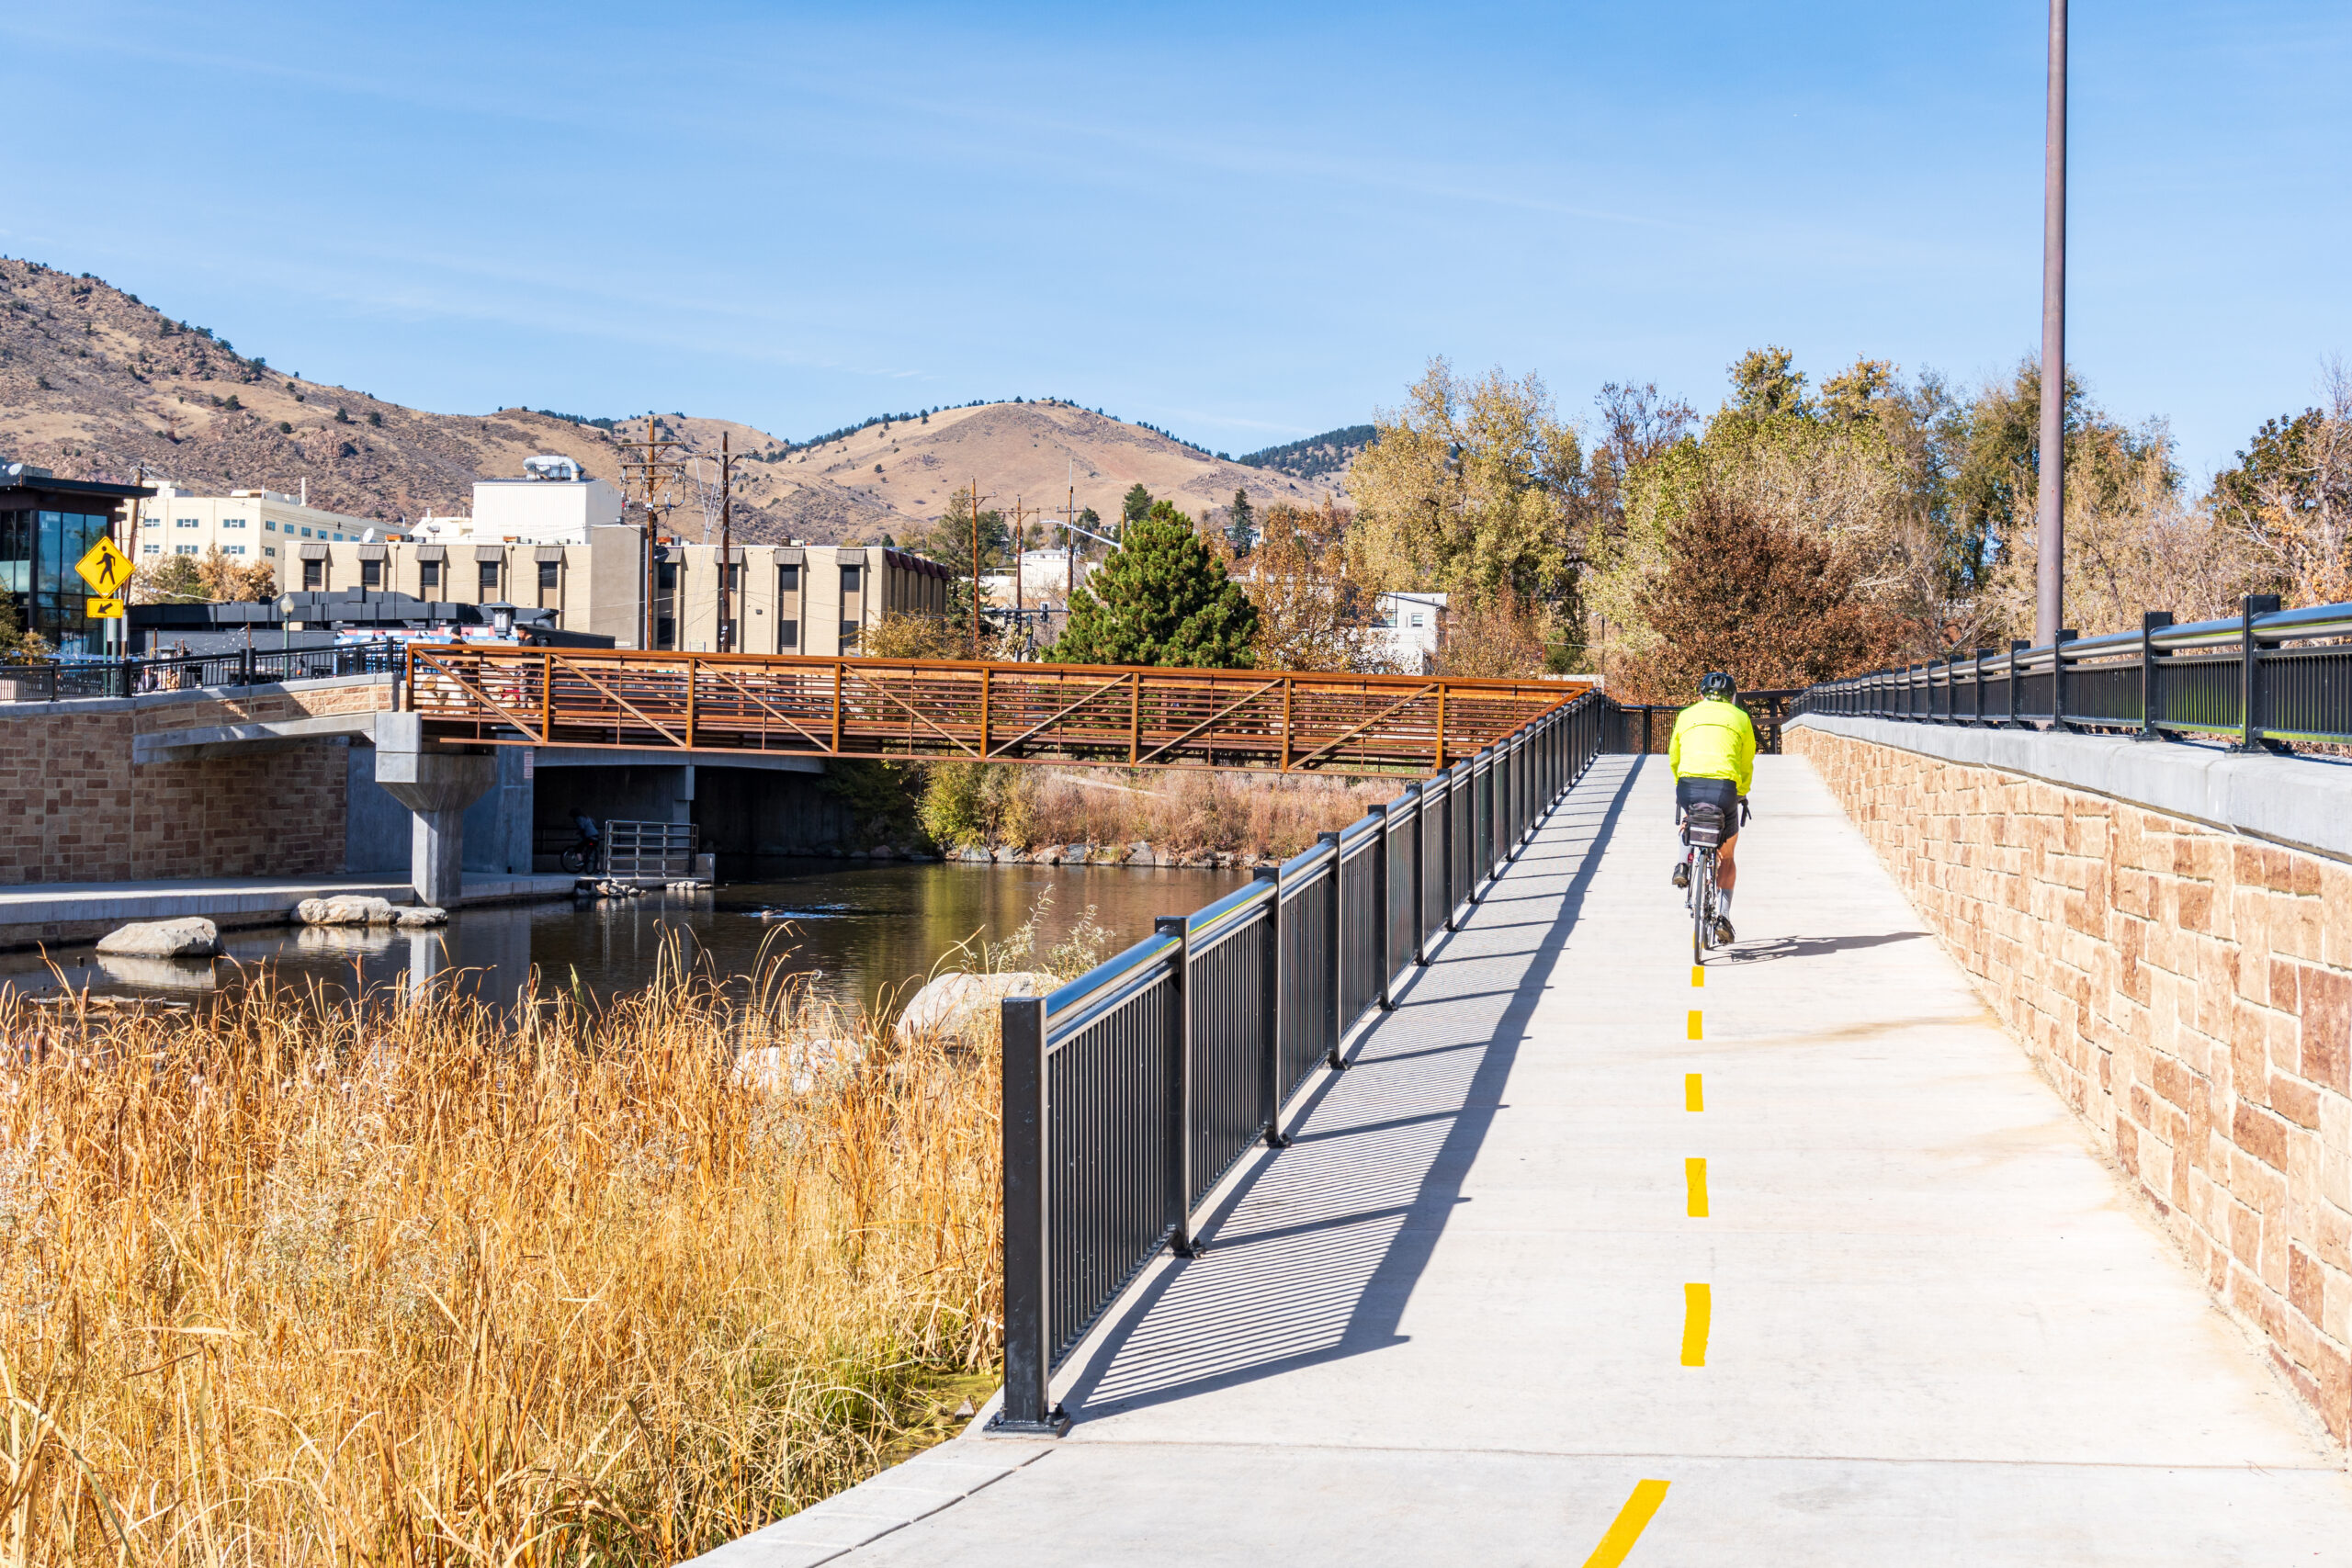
(1218, 717)
(528, 726)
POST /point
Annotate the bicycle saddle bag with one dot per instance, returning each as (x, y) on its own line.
(1703, 826)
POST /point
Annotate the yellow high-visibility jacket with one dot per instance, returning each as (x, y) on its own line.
(1713, 740)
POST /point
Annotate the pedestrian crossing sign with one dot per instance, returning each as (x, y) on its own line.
(105, 568)
(106, 609)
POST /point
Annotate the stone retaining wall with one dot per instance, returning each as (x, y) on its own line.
(2188, 991)
(73, 808)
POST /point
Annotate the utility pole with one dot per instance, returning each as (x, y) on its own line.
(1070, 542)
(2049, 510)
(652, 471)
(1020, 528)
(726, 547)
(977, 497)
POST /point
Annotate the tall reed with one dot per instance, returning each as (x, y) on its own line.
(410, 1281)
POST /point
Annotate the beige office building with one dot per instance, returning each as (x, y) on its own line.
(806, 599)
(249, 526)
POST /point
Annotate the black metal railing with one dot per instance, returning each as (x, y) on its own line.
(1649, 726)
(1130, 1092)
(56, 679)
(2238, 678)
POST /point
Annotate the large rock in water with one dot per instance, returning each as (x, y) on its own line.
(952, 1004)
(346, 910)
(191, 936)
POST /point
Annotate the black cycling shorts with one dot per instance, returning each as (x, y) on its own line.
(1724, 793)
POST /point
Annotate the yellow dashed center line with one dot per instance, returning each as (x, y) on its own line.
(1698, 1312)
(1694, 1097)
(1632, 1519)
(1694, 1178)
(1694, 1023)
(1698, 976)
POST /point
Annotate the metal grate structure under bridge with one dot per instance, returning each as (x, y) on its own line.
(955, 709)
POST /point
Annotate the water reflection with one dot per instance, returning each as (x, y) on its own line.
(858, 931)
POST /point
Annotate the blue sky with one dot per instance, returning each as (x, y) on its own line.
(1243, 223)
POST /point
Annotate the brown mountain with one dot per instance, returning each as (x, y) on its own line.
(96, 384)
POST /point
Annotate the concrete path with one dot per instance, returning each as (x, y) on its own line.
(1451, 1323)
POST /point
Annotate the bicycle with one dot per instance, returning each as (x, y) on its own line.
(586, 855)
(1702, 834)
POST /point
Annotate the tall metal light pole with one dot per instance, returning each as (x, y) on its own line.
(2049, 512)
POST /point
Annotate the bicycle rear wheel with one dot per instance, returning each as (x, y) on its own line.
(1703, 900)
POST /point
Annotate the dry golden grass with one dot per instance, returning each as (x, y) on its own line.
(395, 1283)
(1188, 810)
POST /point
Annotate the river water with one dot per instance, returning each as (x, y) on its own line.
(860, 931)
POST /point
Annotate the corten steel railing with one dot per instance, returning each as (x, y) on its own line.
(1130, 1092)
(957, 709)
(2237, 678)
(53, 680)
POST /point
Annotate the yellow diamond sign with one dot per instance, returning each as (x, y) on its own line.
(105, 568)
(102, 609)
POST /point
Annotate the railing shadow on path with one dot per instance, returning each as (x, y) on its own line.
(1312, 1256)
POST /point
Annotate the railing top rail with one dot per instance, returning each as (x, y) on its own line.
(1072, 1004)
(1561, 690)
(2220, 635)
(1213, 917)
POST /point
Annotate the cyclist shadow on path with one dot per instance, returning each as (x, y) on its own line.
(1314, 1254)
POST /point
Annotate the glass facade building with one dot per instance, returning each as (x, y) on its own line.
(46, 525)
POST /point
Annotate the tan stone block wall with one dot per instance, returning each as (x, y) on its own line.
(2187, 990)
(73, 808)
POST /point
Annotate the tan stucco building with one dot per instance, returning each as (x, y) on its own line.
(808, 598)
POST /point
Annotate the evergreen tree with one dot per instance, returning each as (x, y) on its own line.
(1137, 504)
(1243, 529)
(1161, 598)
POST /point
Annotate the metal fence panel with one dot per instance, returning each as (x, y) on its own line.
(1130, 1092)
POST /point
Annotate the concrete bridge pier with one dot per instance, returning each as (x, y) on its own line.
(437, 785)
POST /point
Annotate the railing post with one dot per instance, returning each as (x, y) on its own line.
(1028, 1409)
(2151, 719)
(2017, 680)
(1445, 862)
(1420, 858)
(1383, 961)
(1338, 1019)
(2058, 677)
(1272, 1001)
(2250, 693)
(1182, 1242)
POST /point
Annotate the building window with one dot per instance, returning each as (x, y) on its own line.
(787, 633)
(428, 575)
(266, 549)
(848, 579)
(314, 575)
(153, 551)
(232, 522)
(665, 632)
(1417, 617)
(185, 550)
(488, 580)
(789, 579)
(372, 574)
(269, 525)
(233, 549)
(306, 532)
(665, 577)
(849, 635)
(187, 522)
(550, 576)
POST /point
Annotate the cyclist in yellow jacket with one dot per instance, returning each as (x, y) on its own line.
(1713, 758)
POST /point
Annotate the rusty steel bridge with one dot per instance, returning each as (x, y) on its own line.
(959, 709)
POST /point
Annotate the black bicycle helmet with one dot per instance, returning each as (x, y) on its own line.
(1715, 684)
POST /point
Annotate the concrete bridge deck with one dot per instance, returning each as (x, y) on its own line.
(1450, 1324)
